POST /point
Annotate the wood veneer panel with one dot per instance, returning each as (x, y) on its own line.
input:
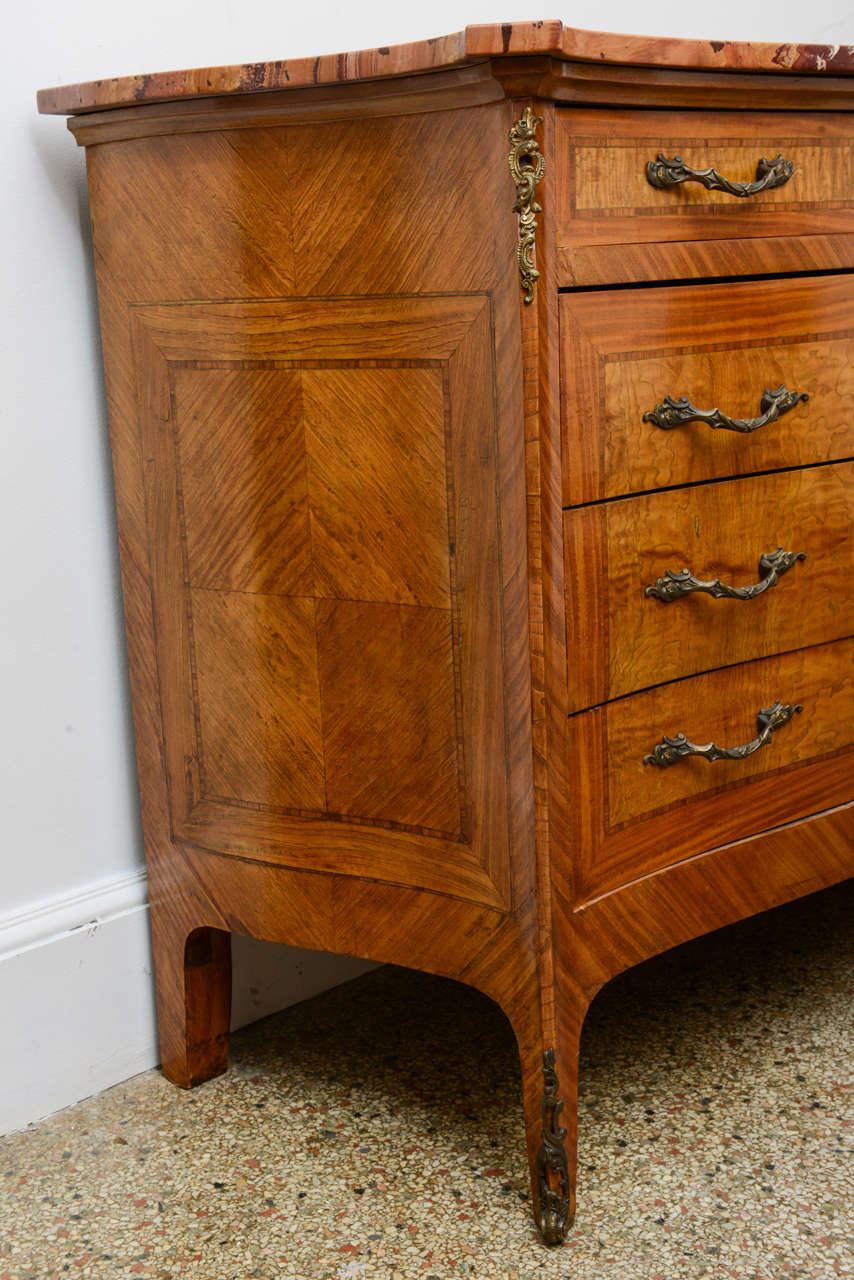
(377, 467)
(244, 484)
(720, 345)
(390, 720)
(374, 689)
(143, 196)
(250, 212)
(259, 731)
(720, 531)
(605, 198)
(355, 148)
(187, 217)
(633, 819)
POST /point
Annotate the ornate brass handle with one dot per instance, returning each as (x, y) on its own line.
(673, 413)
(664, 173)
(772, 566)
(669, 750)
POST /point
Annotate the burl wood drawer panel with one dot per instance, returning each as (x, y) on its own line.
(321, 511)
(605, 197)
(719, 346)
(633, 818)
(719, 533)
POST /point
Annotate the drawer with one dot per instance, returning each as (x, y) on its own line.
(633, 818)
(605, 197)
(720, 346)
(615, 550)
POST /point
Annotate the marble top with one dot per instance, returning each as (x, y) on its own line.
(474, 43)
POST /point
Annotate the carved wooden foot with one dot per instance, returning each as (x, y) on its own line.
(193, 983)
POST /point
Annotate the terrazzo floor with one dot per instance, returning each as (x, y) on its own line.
(376, 1131)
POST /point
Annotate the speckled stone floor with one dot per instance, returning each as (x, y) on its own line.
(376, 1132)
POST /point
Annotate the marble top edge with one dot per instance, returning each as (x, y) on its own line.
(549, 37)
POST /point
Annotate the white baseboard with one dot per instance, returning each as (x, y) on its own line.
(77, 998)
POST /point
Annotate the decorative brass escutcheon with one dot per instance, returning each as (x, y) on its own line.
(527, 166)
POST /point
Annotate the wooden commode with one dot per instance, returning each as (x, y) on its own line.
(482, 414)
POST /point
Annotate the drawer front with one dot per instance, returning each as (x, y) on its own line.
(635, 818)
(605, 196)
(720, 347)
(615, 550)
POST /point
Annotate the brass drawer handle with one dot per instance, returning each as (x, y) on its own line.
(772, 566)
(670, 750)
(664, 173)
(673, 413)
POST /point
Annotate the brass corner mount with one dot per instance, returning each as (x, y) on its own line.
(527, 166)
(552, 1167)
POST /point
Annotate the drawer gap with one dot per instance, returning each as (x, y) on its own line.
(694, 281)
(701, 484)
(727, 666)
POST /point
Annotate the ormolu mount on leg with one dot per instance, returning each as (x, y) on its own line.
(552, 1170)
